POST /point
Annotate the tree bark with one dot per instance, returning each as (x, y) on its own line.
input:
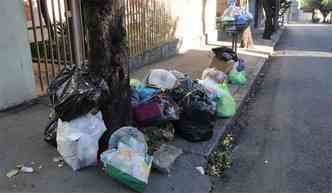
(108, 57)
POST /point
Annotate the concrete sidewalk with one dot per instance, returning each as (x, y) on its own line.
(21, 142)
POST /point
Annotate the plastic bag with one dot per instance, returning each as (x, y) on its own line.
(74, 93)
(236, 19)
(145, 93)
(164, 157)
(158, 109)
(77, 140)
(194, 131)
(239, 65)
(130, 136)
(161, 78)
(238, 78)
(212, 87)
(127, 160)
(231, 12)
(226, 106)
(198, 115)
(214, 74)
(179, 75)
(135, 83)
(225, 53)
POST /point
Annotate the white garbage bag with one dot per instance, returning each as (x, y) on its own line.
(161, 78)
(130, 136)
(78, 140)
(214, 74)
(127, 159)
(212, 87)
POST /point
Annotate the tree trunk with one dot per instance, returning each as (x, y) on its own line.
(269, 27)
(108, 57)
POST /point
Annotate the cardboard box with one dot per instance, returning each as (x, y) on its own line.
(221, 65)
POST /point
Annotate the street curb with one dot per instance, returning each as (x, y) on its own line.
(199, 152)
(245, 92)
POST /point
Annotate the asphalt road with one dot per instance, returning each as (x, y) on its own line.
(287, 146)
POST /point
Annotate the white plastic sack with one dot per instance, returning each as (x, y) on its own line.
(214, 74)
(212, 87)
(161, 78)
(130, 136)
(127, 159)
(78, 140)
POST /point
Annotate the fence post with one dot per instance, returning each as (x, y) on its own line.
(76, 15)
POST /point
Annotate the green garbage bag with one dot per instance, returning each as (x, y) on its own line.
(236, 77)
(226, 106)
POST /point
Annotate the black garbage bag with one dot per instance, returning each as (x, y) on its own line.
(50, 132)
(194, 131)
(198, 105)
(74, 92)
(198, 113)
(185, 86)
(225, 53)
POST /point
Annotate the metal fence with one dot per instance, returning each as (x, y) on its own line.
(149, 23)
(57, 39)
(49, 34)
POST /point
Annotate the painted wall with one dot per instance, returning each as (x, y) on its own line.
(16, 79)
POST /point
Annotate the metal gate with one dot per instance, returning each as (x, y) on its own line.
(52, 35)
(57, 34)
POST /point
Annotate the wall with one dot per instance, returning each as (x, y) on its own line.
(221, 6)
(16, 79)
(191, 22)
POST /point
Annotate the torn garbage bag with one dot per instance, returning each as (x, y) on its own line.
(77, 140)
(127, 160)
(74, 92)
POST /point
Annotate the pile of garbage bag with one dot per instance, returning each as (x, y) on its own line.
(166, 103)
(73, 93)
(234, 19)
(227, 61)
